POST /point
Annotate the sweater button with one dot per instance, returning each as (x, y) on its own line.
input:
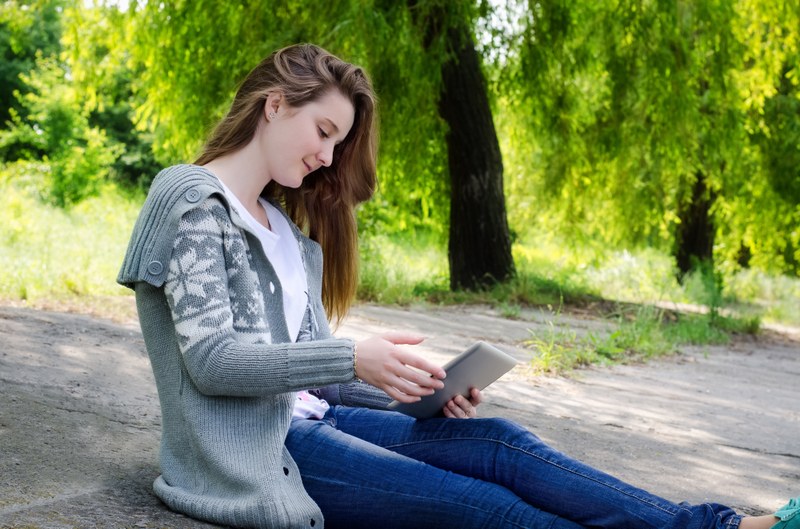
(155, 268)
(285, 471)
(193, 195)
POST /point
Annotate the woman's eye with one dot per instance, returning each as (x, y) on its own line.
(322, 133)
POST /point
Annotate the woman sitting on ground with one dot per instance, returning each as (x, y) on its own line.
(269, 420)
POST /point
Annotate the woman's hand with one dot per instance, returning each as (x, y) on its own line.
(404, 376)
(462, 408)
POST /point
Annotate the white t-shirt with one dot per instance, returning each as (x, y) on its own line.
(284, 258)
(288, 264)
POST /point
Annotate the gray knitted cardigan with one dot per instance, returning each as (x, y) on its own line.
(211, 313)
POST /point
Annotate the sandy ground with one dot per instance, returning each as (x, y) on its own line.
(79, 420)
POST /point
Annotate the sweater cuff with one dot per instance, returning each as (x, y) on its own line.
(321, 362)
(355, 394)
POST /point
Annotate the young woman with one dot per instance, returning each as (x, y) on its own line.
(270, 421)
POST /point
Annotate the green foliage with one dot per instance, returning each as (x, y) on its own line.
(559, 350)
(607, 111)
(610, 111)
(73, 109)
(26, 28)
(101, 69)
(79, 155)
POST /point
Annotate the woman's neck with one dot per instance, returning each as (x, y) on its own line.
(243, 172)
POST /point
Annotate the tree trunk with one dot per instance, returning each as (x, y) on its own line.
(480, 245)
(694, 240)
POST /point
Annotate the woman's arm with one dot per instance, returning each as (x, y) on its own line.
(241, 361)
(355, 394)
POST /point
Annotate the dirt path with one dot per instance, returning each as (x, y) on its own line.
(79, 423)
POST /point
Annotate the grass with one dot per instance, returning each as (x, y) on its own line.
(402, 271)
(49, 254)
(635, 334)
(648, 313)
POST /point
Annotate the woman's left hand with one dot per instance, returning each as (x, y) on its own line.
(462, 408)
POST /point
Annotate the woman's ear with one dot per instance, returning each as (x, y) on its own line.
(273, 105)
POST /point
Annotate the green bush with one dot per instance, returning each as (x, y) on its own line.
(57, 128)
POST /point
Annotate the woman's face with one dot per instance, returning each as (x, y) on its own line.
(300, 140)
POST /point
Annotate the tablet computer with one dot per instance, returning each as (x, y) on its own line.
(477, 367)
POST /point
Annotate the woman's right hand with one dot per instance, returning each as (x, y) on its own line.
(404, 376)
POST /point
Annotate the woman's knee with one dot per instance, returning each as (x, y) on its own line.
(511, 432)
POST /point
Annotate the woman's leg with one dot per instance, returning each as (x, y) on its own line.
(502, 452)
(358, 484)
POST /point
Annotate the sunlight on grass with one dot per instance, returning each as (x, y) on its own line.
(47, 251)
(639, 334)
(550, 272)
(649, 313)
(401, 270)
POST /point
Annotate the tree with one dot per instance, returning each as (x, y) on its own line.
(762, 217)
(77, 154)
(27, 30)
(185, 81)
(644, 123)
(621, 122)
(479, 242)
(101, 69)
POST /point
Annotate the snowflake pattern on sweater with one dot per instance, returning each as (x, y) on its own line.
(202, 300)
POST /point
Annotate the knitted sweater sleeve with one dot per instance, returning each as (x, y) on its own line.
(230, 352)
(356, 394)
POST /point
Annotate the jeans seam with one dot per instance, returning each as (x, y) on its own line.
(540, 458)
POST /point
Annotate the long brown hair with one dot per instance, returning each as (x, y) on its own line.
(324, 205)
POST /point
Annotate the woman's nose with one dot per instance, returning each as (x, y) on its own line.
(325, 156)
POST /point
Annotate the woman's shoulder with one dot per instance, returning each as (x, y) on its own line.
(190, 181)
(179, 189)
(175, 191)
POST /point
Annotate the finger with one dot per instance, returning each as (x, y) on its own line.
(418, 362)
(457, 408)
(469, 408)
(409, 387)
(423, 380)
(449, 410)
(399, 396)
(476, 397)
(465, 405)
(399, 372)
(403, 338)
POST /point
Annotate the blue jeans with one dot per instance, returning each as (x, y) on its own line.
(370, 468)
